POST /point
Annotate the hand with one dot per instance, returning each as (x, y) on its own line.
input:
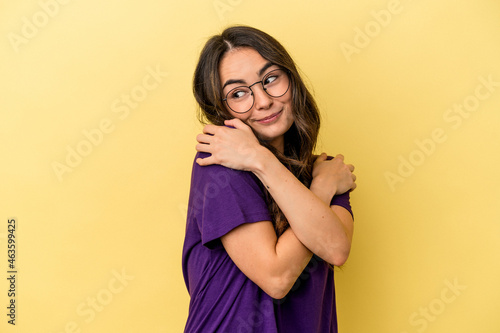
(333, 176)
(235, 147)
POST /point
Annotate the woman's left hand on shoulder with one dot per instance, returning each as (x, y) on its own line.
(333, 174)
(235, 147)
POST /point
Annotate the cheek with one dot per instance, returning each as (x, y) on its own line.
(290, 121)
(287, 101)
(241, 116)
(289, 109)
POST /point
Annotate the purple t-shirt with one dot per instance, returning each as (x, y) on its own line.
(223, 299)
(310, 304)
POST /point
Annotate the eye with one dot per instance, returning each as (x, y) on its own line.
(237, 93)
(271, 78)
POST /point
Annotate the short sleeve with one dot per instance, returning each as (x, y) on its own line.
(225, 199)
(342, 200)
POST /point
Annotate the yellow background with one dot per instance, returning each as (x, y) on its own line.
(121, 208)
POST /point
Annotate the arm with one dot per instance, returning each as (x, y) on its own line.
(228, 209)
(271, 263)
(274, 264)
(325, 231)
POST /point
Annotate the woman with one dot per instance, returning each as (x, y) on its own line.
(266, 218)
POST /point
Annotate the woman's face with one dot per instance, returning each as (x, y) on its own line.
(270, 117)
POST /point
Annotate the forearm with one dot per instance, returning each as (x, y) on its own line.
(308, 213)
(274, 264)
(290, 261)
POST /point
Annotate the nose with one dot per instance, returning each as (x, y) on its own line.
(262, 101)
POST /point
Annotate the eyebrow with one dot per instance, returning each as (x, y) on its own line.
(261, 72)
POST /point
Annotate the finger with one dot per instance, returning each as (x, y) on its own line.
(204, 138)
(353, 187)
(238, 124)
(210, 129)
(340, 156)
(235, 122)
(205, 161)
(203, 147)
(321, 157)
(354, 177)
(351, 167)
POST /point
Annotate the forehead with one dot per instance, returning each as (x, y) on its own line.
(241, 63)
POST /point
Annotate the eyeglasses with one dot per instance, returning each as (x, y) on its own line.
(241, 99)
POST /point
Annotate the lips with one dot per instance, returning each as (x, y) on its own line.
(270, 118)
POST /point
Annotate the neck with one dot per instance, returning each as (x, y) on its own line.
(278, 143)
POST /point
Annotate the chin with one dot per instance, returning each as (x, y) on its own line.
(272, 133)
(276, 130)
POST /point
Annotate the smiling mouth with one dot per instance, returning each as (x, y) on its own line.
(270, 118)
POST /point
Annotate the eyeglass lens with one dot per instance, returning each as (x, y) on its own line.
(275, 84)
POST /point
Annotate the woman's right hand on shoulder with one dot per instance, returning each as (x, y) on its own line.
(235, 147)
(332, 177)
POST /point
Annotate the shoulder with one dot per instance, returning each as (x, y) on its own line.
(342, 200)
(221, 199)
(216, 175)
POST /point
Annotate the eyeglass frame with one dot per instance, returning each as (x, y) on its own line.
(287, 72)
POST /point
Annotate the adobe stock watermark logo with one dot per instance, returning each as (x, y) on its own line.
(363, 36)
(217, 183)
(31, 27)
(223, 6)
(122, 106)
(454, 116)
(255, 319)
(421, 319)
(265, 307)
(183, 210)
(96, 303)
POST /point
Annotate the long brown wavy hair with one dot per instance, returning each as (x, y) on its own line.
(300, 139)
